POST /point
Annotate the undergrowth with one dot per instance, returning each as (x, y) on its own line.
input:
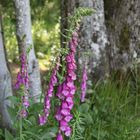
(109, 113)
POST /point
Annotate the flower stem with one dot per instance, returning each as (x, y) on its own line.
(20, 127)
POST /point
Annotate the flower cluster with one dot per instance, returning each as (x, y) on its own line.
(48, 95)
(23, 80)
(67, 90)
(84, 84)
(22, 77)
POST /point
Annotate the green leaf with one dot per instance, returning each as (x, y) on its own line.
(59, 76)
(52, 129)
(88, 118)
(8, 135)
(84, 108)
(34, 135)
(12, 112)
(1, 133)
(48, 135)
(13, 99)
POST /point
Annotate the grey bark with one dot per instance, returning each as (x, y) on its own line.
(123, 27)
(5, 86)
(24, 37)
(110, 38)
(93, 38)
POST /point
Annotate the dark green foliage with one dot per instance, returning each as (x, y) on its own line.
(46, 11)
(45, 19)
(111, 112)
(108, 114)
(74, 20)
(30, 127)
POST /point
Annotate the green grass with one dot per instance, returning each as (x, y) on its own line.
(110, 113)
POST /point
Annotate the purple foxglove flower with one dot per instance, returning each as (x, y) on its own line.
(42, 120)
(60, 96)
(23, 113)
(23, 79)
(58, 115)
(65, 112)
(68, 131)
(71, 105)
(65, 92)
(70, 84)
(63, 125)
(54, 79)
(72, 74)
(49, 94)
(63, 128)
(67, 89)
(68, 118)
(59, 92)
(84, 84)
(71, 66)
(69, 99)
(47, 102)
(64, 105)
(46, 112)
(59, 136)
(26, 102)
(72, 91)
(68, 58)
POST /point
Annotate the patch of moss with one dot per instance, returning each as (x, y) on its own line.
(124, 38)
(139, 45)
(110, 7)
(110, 23)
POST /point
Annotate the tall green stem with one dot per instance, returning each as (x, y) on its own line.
(20, 127)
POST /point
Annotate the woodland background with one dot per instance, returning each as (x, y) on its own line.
(109, 44)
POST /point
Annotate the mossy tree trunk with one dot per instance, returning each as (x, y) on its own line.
(93, 39)
(123, 28)
(24, 37)
(110, 38)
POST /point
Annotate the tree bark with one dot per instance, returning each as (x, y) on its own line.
(109, 39)
(93, 38)
(5, 85)
(67, 8)
(123, 28)
(24, 37)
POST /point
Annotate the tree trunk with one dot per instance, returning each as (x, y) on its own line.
(24, 37)
(123, 28)
(5, 85)
(93, 38)
(67, 8)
